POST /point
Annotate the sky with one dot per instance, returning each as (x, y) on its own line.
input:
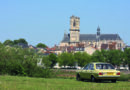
(45, 21)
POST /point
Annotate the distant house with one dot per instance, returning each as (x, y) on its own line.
(127, 47)
(50, 50)
(22, 45)
(104, 46)
(110, 46)
(90, 50)
(32, 47)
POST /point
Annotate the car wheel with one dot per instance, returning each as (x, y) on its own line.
(114, 81)
(78, 77)
(93, 79)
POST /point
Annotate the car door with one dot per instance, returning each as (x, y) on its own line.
(90, 71)
(85, 71)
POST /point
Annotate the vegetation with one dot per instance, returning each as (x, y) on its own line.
(8, 42)
(53, 60)
(115, 57)
(46, 62)
(27, 83)
(65, 73)
(82, 58)
(18, 61)
(23, 62)
(124, 77)
(49, 61)
(15, 42)
(127, 56)
(21, 40)
(41, 45)
(63, 59)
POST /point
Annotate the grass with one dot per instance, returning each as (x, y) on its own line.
(28, 83)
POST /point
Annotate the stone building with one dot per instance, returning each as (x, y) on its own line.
(74, 38)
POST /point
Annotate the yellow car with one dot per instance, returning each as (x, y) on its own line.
(98, 71)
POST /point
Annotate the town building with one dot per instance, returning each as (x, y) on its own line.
(92, 42)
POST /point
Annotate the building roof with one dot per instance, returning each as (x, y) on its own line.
(92, 37)
(87, 37)
(66, 38)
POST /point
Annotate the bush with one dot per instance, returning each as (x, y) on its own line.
(124, 77)
(22, 62)
(40, 72)
(17, 70)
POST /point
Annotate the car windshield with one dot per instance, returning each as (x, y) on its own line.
(104, 66)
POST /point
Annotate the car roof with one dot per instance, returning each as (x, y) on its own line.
(99, 63)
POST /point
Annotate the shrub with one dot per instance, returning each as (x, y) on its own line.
(40, 72)
(22, 62)
(124, 77)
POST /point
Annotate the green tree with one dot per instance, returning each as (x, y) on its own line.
(18, 61)
(63, 59)
(8, 42)
(115, 57)
(127, 57)
(71, 59)
(52, 59)
(82, 58)
(21, 40)
(41, 45)
(46, 62)
(100, 56)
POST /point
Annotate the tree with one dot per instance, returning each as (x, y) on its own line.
(21, 40)
(63, 59)
(52, 59)
(127, 57)
(71, 59)
(82, 58)
(100, 56)
(115, 57)
(46, 62)
(18, 61)
(41, 45)
(8, 42)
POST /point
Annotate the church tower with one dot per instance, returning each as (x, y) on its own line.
(74, 29)
(98, 33)
(98, 37)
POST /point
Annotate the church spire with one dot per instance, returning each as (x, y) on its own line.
(98, 31)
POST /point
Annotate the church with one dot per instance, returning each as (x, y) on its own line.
(98, 41)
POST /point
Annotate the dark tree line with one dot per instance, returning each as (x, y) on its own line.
(15, 42)
(23, 41)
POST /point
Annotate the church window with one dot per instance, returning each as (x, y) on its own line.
(74, 24)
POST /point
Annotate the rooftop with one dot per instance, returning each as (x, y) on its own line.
(92, 37)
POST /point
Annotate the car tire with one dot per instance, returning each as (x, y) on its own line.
(93, 79)
(78, 77)
(113, 81)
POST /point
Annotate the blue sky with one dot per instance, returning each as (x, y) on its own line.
(44, 21)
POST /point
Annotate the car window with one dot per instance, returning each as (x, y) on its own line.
(86, 67)
(91, 67)
(104, 66)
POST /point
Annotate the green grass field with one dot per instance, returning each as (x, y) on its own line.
(27, 83)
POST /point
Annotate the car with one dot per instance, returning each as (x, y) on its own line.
(98, 71)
